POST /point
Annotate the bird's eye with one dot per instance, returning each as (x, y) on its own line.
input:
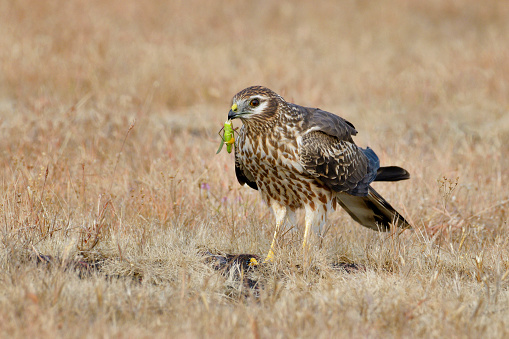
(255, 102)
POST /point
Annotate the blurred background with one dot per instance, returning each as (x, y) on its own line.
(411, 55)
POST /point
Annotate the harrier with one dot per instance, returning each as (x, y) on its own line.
(305, 158)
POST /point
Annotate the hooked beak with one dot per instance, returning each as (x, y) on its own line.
(233, 112)
(232, 115)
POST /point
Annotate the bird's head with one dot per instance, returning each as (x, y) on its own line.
(254, 103)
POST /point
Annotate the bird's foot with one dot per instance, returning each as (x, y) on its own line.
(270, 257)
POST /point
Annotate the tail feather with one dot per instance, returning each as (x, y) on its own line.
(372, 211)
(391, 173)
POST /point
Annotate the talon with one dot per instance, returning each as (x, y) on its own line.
(270, 257)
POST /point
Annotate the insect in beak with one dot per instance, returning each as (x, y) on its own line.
(228, 136)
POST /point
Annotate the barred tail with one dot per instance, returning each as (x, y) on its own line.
(372, 211)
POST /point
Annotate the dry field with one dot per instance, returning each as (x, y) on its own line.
(111, 191)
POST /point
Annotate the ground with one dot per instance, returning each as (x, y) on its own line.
(119, 220)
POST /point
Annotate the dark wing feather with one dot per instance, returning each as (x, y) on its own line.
(243, 176)
(372, 211)
(340, 165)
(315, 119)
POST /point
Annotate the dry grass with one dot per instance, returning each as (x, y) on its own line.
(425, 83)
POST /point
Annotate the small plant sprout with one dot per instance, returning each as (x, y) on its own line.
(228, 137)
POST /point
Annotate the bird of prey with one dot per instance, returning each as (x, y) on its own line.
(305, 158)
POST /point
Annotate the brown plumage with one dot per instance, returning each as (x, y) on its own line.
(300, 157)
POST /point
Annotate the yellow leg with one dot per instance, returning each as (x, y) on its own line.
(270, 255)
(280, 213)
(309, 224)
(305, 241)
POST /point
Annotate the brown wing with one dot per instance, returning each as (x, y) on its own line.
(340, 165)
(316, 119)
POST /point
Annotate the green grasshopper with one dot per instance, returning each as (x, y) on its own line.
(228, 137)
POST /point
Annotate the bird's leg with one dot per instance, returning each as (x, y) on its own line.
(305, 241)
(280, 214)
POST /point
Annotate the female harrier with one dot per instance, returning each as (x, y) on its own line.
(299, 157)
